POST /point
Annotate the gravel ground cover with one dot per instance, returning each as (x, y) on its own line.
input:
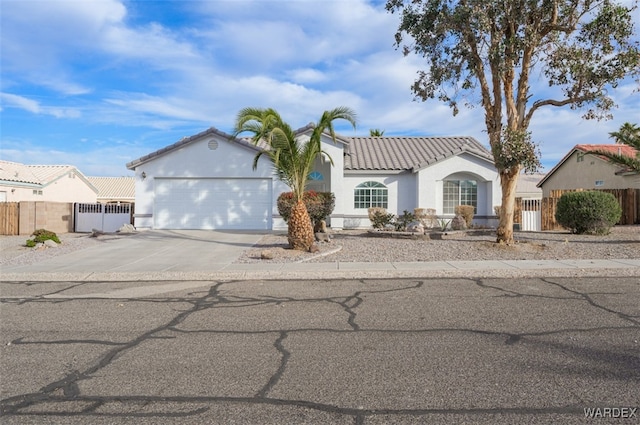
(359, 246)
(13, 249)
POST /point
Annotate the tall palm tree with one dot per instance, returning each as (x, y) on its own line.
(292, 160)
(629, 134)
(376, 132)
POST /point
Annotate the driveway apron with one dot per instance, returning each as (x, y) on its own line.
(153, 251)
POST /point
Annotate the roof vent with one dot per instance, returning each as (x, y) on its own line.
(213, 144)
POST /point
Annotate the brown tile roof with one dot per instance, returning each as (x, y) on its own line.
(614, 149)
(114, 188)
(407, 153)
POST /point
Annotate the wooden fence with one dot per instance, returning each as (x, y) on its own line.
(629, 200)
(9, 218)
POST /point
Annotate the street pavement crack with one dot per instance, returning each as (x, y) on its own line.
(283, 365)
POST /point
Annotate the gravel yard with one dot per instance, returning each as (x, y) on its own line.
(358, 245)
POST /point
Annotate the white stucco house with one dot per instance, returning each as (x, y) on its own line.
(206, 181)
(51, 183)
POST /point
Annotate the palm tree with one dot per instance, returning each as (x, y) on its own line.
(629, 134)
(376, 132)
(292, 160)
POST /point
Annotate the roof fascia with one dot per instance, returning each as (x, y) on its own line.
(310, 127)
(212, 131)
(373, 172)
(13, 183)
(420, 167)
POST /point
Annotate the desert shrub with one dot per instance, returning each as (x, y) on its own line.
(467, 212)
(402, 221)
(379, 217)
(320, 205)
(41, 235)
(426, 216)
(588, 212)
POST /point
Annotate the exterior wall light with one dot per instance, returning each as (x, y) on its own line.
(144, 175)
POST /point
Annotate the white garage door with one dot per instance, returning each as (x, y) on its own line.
(212, 203)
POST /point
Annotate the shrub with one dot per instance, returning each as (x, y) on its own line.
(379, 217)
(320, 205)
(588, 212)
(404, 220)
(426, 216)
(467, 212)
(41, 235)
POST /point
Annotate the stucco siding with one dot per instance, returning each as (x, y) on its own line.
(197, 159)
(65, 189)
(584, 174)
(430, 182)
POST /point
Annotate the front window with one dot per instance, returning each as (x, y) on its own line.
(370, 194)
(459, 192)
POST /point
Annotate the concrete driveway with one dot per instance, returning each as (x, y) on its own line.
(152, 251)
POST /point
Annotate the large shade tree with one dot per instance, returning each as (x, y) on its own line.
(629, 134)
(581, 48)
(292, 158)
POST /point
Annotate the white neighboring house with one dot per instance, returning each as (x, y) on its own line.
(527, 186)
(51, 183)
(114, 190)
(206, 181)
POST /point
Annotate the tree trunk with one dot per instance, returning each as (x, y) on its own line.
(300, 233)
(508, 182)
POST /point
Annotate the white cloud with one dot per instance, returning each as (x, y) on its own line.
(21, 102)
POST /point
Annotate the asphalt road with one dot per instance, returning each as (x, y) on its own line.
(485, 351)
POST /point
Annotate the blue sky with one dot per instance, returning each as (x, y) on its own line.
(96, 84)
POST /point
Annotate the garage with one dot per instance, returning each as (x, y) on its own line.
(212, 203)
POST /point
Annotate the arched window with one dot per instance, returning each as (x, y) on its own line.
(459, 192)
(370, 194)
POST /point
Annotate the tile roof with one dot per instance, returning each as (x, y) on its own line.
(527, 183)
(114, 187)
(364, 153)
(34, 174)
(407, 153)
(614, 149)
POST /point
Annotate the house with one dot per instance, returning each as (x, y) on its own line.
(52, 183)
(527, 187)
(577, 170)
(206, 181)
(114, 189)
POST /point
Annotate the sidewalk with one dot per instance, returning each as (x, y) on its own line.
(353, 270)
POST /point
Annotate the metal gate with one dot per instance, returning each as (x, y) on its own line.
(102, 217)
(531, 215)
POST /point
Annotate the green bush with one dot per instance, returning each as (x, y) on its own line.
(41, 235)
(588, 212)
(467, 212)
(320, 205)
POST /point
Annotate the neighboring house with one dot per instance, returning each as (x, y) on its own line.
(527, 187)
(52, 183)
(206, 181)
(114, 189)
(577, 170)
